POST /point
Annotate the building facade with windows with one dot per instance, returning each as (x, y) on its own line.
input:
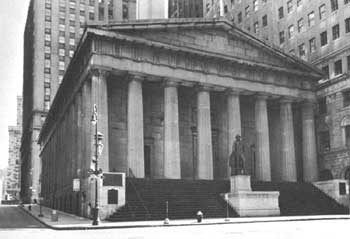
(13, 169)
(317, 31)
(52, 31)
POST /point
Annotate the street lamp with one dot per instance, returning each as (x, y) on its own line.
(97, 171)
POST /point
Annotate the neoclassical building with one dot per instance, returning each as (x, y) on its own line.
(171, 96)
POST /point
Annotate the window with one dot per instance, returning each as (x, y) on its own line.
(281, 37)
(239, 17)
(280, 13)
(311, 18)
(125, 10)
(62, 27)
(348, 61)
(92, 2)
(101, 10)
(289, 6)
(301, 25)
(264, 20)
(299, 3)
(290, 31)
(346, 99)
(255, 5)
(47, 105)
(61, 39)
(61, 52)
(302, 51)
(91, 16)
(312, 43)
(71, 53)
(47, 63)
(323, 37)
(322, 11)
(47, 49)
(335, 31)
(325, 70)
(71, 42)
(256, 27)
(247, 11)
(61, 65)
(338, 67)
(347, 24)
(324, 141)
(347, 135)
(334, 5)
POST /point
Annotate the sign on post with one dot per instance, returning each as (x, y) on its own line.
(76, 185)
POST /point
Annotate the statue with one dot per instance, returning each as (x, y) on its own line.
(237, 159)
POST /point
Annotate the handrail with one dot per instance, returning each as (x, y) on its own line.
(148, 215)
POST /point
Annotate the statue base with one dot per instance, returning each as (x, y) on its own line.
(248, 203)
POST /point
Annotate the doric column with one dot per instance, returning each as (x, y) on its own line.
(310, 167)
(172, 164)
(233, 121)
(288, 163)
(99, 97)
(204, 141)
(263, 167)
(135, 127)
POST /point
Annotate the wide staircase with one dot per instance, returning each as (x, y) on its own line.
(147, 199)
(301, 199)
(184, 199)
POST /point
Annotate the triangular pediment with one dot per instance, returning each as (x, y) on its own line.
(212, 36)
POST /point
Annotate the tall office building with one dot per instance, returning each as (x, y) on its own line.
(52, 31)
(13, 168)
(317, 31)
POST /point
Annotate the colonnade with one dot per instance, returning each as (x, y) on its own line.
(204, 167)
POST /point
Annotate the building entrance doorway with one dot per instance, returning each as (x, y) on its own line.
(147, 160)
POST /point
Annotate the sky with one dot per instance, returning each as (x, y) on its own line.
(13, 15)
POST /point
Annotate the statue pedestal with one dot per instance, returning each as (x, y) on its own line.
(248, 203)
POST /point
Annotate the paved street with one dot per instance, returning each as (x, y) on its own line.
(13, 217)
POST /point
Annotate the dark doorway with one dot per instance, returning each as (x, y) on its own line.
(147, 159)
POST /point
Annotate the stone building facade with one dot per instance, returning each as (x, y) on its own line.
(318, 32)
(171, 95)
(14, 161)
(53, 29)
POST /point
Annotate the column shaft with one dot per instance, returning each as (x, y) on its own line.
(135, 128)
(205, 151)
(288, 163)
(172, 164)
(100, 98)
(263, 167)
(233, 123)
(310, 167)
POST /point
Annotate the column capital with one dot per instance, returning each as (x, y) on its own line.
(134, 76)
(261, 96)
(99, 72)
(233, 91)
(309, 102)
(286, 100)
(168, 82)
(203, 87)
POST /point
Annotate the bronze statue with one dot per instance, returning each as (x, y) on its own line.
(237, 159)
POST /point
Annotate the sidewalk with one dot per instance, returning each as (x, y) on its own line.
(71, 222)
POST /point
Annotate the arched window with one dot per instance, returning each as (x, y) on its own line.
(325, 175)
(345, 124)
(347, 174)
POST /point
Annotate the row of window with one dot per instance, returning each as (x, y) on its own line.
(312, 41)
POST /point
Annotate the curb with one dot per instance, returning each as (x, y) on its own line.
(35, 218)
(59, 228)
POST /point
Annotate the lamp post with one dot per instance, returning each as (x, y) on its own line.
(96, 171)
